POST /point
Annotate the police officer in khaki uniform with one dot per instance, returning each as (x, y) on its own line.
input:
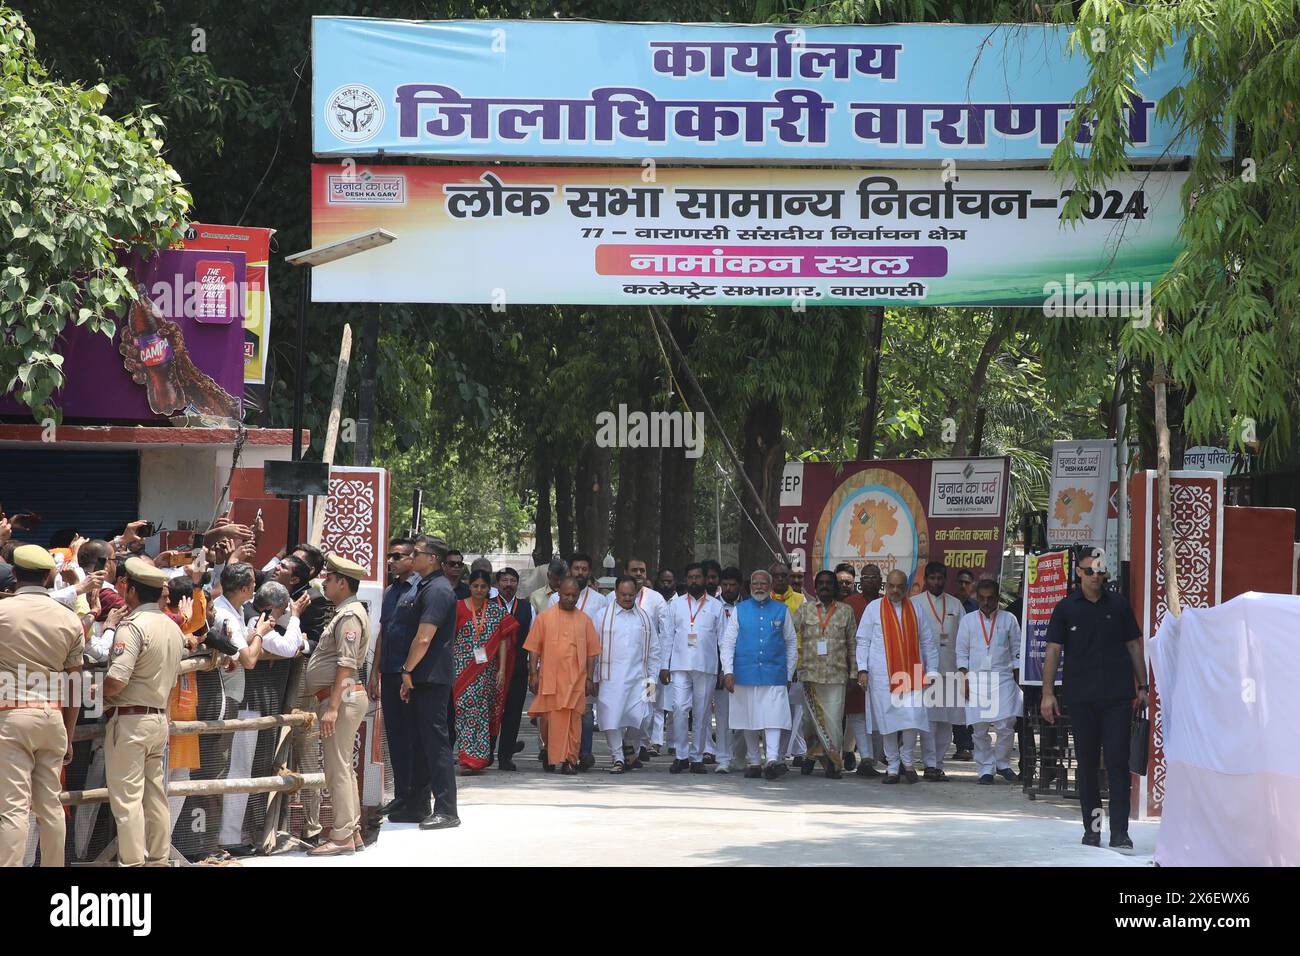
(331, 677)
(40, 641)
(143, 666)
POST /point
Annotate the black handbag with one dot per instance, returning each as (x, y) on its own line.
(1139, 742)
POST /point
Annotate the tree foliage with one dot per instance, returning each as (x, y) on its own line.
(79, 190)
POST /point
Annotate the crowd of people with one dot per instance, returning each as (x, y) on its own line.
(726, 671)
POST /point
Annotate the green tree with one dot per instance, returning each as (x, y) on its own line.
(79, 190)
(1230, 301)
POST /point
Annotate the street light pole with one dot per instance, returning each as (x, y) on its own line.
(300, 360)
(308, 260)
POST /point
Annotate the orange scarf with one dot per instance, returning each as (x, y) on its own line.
(902, 647)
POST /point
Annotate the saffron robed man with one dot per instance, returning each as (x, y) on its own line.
(688, 657)
(40, 641)
(897, 659)
(629, 664)
(143, 666)
(759, 652)
(564, 648)
(592, 603)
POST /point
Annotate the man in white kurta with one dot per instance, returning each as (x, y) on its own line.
(945, 612)
(730, 743)
(627, 671)
(654, 604)
(988, 653)
(756, 676)
(905, 711)
(688, 659)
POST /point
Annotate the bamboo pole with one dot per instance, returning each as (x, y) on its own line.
(298, 718)
(332, 432)
(279, 783)
(1170, 560)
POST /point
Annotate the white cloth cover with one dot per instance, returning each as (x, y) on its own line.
(1226, 680)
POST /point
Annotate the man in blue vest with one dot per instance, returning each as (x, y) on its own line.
(759, 650)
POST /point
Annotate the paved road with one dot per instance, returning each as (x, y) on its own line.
(650, 817)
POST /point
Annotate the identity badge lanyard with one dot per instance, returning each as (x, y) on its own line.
(823, 646)
(690, 637)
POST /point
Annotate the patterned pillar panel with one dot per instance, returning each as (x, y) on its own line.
(1196, 505)
(356, 518)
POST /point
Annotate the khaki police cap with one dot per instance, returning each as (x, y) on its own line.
(32, 557)
(341, 565)
(145, 573)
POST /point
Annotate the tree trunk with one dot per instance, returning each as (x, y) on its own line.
(677, 518)
(871, 383)
(1003, 323)
(564, 507)
(645, 537)
(977, 437)
(600, 498)
(644, 471)
(763, 457)
(625, 508)
(582, 504)
(1170, 559)
(543, 543)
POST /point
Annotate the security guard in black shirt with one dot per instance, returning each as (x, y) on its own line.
(1103, 663)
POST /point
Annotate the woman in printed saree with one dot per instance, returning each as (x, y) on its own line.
(483, 654)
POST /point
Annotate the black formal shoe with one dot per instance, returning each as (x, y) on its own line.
(549, 767)
(710, 759)
(439, 821)
(678, 766)
(644, 755)
(699, 767)
(805, 768)
(1092, 839)
(832, 773)
(775, 770)
(798, 762)
(507, 765)
(1009, 775)
(866, 770)
(1121, 843)
(934, 774)
(890, 778)
(586, 762)
(910, 775)
(568, 769)
(405, 815)
(962, 755)
(390, 806)
(987, 780)
(752, 773)
(519, 747)
(850, 761)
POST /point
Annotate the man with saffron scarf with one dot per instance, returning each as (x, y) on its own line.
(565, 648)
(483, 651)
(897, 649)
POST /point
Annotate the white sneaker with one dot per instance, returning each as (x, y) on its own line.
(722, 768)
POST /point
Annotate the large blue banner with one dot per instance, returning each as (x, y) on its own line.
(548, 90)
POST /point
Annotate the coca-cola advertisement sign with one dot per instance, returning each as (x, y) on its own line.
(171, 353)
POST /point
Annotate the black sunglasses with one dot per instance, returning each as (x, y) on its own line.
(398, 555)
(1089, 572)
